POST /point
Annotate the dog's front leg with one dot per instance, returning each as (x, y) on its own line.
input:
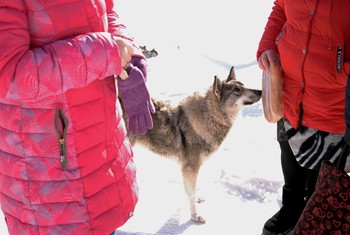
(190, 184)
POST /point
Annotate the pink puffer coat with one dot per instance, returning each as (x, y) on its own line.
(65, 162)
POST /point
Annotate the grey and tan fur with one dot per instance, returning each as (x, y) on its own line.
(192, 131)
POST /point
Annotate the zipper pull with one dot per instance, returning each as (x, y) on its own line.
(63, 154)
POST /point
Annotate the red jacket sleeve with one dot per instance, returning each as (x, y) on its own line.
(29, 74)
(117, 28)
(273, 28)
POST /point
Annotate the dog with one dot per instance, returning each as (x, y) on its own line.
(193, 130)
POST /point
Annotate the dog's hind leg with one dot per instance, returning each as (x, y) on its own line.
(190, 183)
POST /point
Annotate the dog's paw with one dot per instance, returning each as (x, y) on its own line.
(198, 219)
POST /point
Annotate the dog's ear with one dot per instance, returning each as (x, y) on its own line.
(217, 87)
(231, 75)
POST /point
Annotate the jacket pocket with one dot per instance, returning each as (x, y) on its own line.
(61, 130)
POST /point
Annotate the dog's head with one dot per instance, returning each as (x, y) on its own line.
(232, 94)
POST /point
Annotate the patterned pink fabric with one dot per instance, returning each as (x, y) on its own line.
(328, 210)
(60, 55)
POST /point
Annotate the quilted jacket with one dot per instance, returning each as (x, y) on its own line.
(313, 40)
(66, 165)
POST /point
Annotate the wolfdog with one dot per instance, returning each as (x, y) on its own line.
(193, 130)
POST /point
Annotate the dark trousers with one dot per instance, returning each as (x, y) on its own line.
(299, 182)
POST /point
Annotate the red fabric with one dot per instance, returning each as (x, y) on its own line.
(308, 35)
(61, 55)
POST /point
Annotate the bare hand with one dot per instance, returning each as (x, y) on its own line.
(268, 58)
(123, 74)
(125, 50)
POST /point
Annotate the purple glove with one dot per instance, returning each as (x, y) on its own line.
(141, 64)
(136, 100)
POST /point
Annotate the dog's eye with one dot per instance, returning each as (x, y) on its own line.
(236, 89)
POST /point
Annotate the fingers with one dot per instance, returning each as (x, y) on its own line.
(123, 74)
(263, 62)
(126, 50)
(130, 48)
(151, 107)
(273, 58)
(142, 125)
(148, 121)
(133, 126)
(268, 58)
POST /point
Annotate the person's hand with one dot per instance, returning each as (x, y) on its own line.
(125, 51)
(136, 101)
(268, 58)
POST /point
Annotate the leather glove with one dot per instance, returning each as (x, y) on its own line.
(136, 99)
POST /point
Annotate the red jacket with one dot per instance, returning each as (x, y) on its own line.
(313, 40)
(66, 164)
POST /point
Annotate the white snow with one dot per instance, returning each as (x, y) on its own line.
(241, 182)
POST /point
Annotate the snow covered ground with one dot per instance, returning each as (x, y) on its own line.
(241, 182)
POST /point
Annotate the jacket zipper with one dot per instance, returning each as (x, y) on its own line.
(61, 130)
